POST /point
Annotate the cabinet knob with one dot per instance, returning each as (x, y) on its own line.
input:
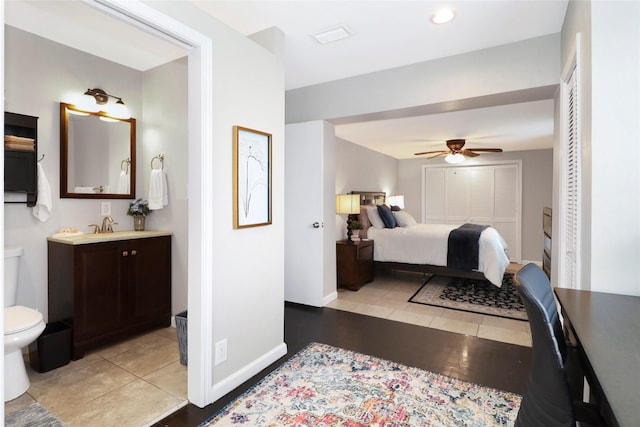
(125, 253)
(133, 252)
(316, 225)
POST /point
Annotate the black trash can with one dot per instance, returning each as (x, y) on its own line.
(181, 328)
(52, 349)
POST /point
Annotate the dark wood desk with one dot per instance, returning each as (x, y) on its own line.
(606, 329)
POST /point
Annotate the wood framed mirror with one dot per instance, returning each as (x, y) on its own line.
(97, 155)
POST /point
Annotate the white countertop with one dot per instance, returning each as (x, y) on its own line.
(83, 239)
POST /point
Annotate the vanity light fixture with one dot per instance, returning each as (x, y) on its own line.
(100, 102)
(442, 16)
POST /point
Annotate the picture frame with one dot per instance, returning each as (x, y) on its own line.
(251, 178)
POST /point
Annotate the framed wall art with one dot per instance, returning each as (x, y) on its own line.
(251, 178)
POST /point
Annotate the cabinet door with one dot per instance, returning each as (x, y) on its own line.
(150, 281)
(100, 307)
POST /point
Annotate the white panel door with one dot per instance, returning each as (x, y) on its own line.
(435, 187)
(456, 196)
(480, 195)
(304, 223)
(488, 194)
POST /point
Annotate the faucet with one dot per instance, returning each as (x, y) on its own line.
(107, 225)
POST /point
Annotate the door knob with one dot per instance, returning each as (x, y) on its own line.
(316, 224)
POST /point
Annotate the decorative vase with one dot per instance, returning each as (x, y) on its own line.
(138, 222)
(355, 235)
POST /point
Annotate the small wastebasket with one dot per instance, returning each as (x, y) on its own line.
(52, 349)
(181, 328)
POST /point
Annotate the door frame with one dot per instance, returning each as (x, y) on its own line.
(200, 178)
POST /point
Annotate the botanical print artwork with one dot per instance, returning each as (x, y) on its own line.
(253, 178)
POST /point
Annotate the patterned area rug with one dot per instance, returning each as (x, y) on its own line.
(477, 296)
(328, 386)
(34, 415)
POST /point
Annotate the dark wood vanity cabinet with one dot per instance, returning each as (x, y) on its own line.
(110, 290)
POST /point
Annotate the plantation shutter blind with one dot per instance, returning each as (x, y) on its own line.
(572, 190)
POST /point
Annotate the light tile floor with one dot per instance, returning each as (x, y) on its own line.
(387, 297)
(133, 383)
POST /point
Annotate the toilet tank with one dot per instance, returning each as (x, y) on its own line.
(11, 263)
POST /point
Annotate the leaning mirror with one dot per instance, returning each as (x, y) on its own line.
(97, 155)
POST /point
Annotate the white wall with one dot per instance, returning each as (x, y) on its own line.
(163, 130)
(361, 169)
(248, 264)
(610, 88)
(537, 177)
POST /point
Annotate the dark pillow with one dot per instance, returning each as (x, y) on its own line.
(387, 217)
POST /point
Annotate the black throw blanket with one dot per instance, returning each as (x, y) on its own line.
(463, 246)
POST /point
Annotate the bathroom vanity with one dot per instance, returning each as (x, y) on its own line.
(109, 286)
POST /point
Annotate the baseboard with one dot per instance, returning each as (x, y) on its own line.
(329, 298)
(234, 380)
(538, 263)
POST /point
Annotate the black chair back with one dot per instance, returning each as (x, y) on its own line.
(547, 400)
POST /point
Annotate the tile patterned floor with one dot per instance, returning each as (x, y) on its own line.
(387, 297)
(133, 383)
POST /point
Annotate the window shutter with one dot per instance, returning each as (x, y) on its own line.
(572, 186)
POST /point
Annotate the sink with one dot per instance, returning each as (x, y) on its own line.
(107, 237)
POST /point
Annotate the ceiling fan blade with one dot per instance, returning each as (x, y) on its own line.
(431, 152)
(437, 155)
(469, 153)
(488, 150)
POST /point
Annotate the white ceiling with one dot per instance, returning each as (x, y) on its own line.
(385, 34)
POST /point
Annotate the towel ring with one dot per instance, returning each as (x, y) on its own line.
(159, 157)
(126, 162)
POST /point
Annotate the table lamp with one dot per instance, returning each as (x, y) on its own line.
(348, 204)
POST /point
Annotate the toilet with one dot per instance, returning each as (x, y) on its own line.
(22, 325)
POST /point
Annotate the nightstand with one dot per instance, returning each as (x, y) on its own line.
(354, 263)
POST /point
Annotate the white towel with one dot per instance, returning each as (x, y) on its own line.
(156, 189)
(123, 183)
(42, 209)
(165, 188)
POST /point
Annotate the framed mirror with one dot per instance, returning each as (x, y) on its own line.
(97, 155)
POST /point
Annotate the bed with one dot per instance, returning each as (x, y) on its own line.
(425, 247)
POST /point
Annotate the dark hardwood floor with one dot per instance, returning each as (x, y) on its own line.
(477, 360)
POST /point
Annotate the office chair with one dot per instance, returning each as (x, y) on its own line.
(547, 400)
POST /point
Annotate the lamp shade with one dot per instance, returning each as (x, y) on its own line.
(454, 158)
(348, 204)
(396, 201)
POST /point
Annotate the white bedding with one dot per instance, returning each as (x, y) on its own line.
(427, 244)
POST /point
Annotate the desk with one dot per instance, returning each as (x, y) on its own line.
(606, 329)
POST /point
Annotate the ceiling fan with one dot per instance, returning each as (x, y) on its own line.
(455, 153)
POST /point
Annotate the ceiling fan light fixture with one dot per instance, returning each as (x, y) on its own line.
(454, 159)
(442, 16)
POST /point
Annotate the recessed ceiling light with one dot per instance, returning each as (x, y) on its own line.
(442, 16)
(331, 35)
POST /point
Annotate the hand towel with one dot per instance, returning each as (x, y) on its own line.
(42, 209)
(123, 183)
(156, 189)
(165, 188)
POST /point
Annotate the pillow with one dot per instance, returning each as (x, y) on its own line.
(374, 216)
(387, 216)
(404, 219)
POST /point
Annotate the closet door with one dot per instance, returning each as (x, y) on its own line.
(488, 195)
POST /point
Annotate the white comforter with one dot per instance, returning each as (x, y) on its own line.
(427, 244)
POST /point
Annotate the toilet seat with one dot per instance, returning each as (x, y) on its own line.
(18, 318)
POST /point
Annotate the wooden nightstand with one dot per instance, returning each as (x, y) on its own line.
(355, 263)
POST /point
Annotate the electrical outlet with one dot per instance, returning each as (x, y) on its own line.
(105, 208)
(221, 351)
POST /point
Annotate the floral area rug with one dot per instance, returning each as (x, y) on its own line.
(478, 296)
(328, 386)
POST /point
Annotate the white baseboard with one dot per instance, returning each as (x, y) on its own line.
(329, 298)
(234, 380)
(538, 263)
